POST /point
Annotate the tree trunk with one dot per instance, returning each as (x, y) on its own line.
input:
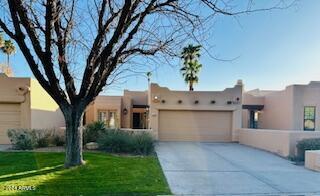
(191, 86)
(8, 59)
(73, 138)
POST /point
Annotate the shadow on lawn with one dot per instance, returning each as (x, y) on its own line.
(21, 175)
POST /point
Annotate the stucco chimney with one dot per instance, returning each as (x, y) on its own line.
(239, 82)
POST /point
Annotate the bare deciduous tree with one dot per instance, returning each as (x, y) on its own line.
(60, 37)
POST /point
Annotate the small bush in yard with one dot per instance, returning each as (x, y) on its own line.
(58, 140)
(26, 139)
(44, 137)
(143, 143)
(307, 144)
(92, 131)
(22, 139)
(117, 141)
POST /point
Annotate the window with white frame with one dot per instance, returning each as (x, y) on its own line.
(102, 116)
(108, 117)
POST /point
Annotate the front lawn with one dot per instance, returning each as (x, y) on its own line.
(103, 174)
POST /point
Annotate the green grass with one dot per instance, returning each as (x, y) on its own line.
(103, 174)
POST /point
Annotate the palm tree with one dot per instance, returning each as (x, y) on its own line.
(191, 66)
(149, 74)
(1, 41)
(9, 49)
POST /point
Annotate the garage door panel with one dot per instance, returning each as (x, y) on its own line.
(9, 119)
(195, 126)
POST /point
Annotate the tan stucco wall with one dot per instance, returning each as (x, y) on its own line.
(45, 113)
(110, 103)
(305, 95)
(37, 109)
(14, 96)
(281, 142)
(249, 99)
(137, 97)
(188, 98)
(284, 109)
(127, 118)
(117, 103)
(312, 160)
(278, 111)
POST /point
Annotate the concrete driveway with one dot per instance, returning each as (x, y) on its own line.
(232, 169)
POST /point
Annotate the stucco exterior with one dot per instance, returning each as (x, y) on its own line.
(173, 115)
(284, 109)
(312, 160)
(143, 105)
(45, 113)
(104, 103)
(163, 99)
(25, 104)
(281, 142)
(123, 106)
(14, 105)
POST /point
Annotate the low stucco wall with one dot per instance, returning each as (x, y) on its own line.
(281, 142)
(312, 160)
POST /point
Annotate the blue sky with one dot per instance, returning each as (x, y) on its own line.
(273, 49)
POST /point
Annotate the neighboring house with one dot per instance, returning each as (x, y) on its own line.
(24, 104)
(297, 107)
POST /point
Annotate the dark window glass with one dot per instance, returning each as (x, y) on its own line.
(309, 118)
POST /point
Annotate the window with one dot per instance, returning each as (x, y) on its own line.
(102, 116)
(112, 119)
(309, 118)
(108, 117)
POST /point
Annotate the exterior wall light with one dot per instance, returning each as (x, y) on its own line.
(156, 98)
(22, 90)
(125, 111)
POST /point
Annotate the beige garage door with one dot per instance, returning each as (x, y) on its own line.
(195, 126)
(9, 118)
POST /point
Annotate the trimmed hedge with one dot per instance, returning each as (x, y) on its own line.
(307, 144)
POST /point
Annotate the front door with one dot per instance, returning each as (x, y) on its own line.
(253, 119)
(136, 121)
